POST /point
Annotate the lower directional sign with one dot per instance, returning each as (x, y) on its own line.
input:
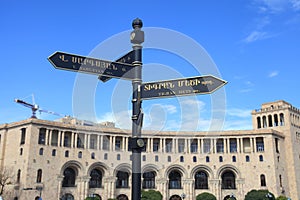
(95, 66)
(181, 87)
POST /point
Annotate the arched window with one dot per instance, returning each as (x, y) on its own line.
(207, 158)
(21, 151)
(19, 176)
(263, 180)
(41, 151)
(39, 176)
(270, 120)
(275, 120)
(228, 180)
(96, 179)
(69, 177)
(264, 122)
(258, 122)
(68, 197)
(261, 158)
(122, 179)
(281, 118)
(201, 180)
(67, 154)
(181, 159)
(79, 154)
(149, 180)
(174, 180)
(220, 158)
(194, 158)
(53, 152)
(93, 155)
(233, 158)
(247, 158)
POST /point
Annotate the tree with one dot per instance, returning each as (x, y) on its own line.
(92, 198)
(151, 195)
(205, 196)
(5, 179)
(282, 198)
(259, 195)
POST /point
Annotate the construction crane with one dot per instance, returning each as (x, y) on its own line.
(35, 107)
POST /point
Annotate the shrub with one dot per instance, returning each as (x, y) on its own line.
(205, 196)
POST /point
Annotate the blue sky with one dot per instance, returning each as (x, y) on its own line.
(254, 45)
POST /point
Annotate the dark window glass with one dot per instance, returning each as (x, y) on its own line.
(201, 180)
(96, 179)
(42, 136)
(228, 180)
(149, 180)
(122, 179)
(69, 177)
(39, 176)
(174, 180)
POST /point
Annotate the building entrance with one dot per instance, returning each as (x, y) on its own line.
(175, 197)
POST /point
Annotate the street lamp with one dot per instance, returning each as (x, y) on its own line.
(269, 196)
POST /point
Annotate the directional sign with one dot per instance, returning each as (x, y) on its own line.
(89, 65)
(127, 58)
(181, 87)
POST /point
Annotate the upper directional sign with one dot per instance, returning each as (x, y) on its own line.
(127, 58)
(95, 66)
(181, 87)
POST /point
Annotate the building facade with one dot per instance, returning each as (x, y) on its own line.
(72, 160)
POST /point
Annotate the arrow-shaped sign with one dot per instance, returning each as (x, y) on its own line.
(181, 87)
(127, 58)
(66, 61)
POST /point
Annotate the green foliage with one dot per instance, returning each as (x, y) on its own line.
(259, 195)
(111, 199)
(281, 198)
(205, 196)
(151, 195)
(92, 198)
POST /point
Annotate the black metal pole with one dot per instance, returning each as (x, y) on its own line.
(137, 38)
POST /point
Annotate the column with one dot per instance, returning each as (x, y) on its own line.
(215, 145)
(163, 143)
(113, 142)
(173, 145)
(62, 139)
(251, 144)
(151, 144)
(84, 142)
(225, 145)
(50, 137)
(101, 142)
(186, 145)
(46, 136)
(59, 186)
(254, 144)
(228, 145)
(242, 146)
(238, 145)
(202, 145)
(199, 146)
(148, 145)
(76, 139)
(189, 145)
(88, 141)
(72, 140)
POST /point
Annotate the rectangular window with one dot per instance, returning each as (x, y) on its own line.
(156, 158)
(168, 145)
(260, 147)
(23, 135)
(92, 143)
(194, 146)
(180, 145)
(233, 146)
(54, 138)
(42, 136)
(206, 146)
(220, 146)
(105, 144)
(118, 143)
(155, 145)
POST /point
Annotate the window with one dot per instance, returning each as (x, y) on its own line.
(41, 151)
(194, 146)
(201, 180)
(105, 144)
(155, 145)
(206, 145)
(148, 180)
(233, 158)
(67, 139)
(220, 146)
(19, 176)
(261, 158)
(276, 145)
(53, 152)
(169, 159)
(181, 159)
(79, 144)
(180, 145)
(42, 136)
(263, 180)
(105, 156)
(280, 180)
(281, 118)
(69, 177)
(96, 179)
(129, 147)
(93, 155)
(54, 138)
(67, 154)
(207, 158)
(21, 151)
(79, 154)
(260, 144)
(174, 180)
(144, 158)
(118, 143)
(220, 159)
(23, 135)
(92, 143)
(233, 146)
(168, 145)
(194, 158)
(122, 179)
(228, 180)
(247, 159)
(156, 159)
(118, 157)
(39, 176)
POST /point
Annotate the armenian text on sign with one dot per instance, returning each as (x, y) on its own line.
(181, 87)
(83, 64)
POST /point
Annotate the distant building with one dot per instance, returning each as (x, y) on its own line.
(74, 159)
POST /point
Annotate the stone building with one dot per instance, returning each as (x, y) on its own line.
(71, 159)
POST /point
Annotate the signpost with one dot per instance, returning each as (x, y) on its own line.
(129, 67)
(181, 87)
(66, 61)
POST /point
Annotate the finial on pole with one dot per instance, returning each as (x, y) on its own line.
(137, 23)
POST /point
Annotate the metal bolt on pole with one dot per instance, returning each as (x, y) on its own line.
(136, 38)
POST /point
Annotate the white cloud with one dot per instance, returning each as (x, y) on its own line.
(295, 4)
(255, 35)
(236, 112)
(273, 74)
